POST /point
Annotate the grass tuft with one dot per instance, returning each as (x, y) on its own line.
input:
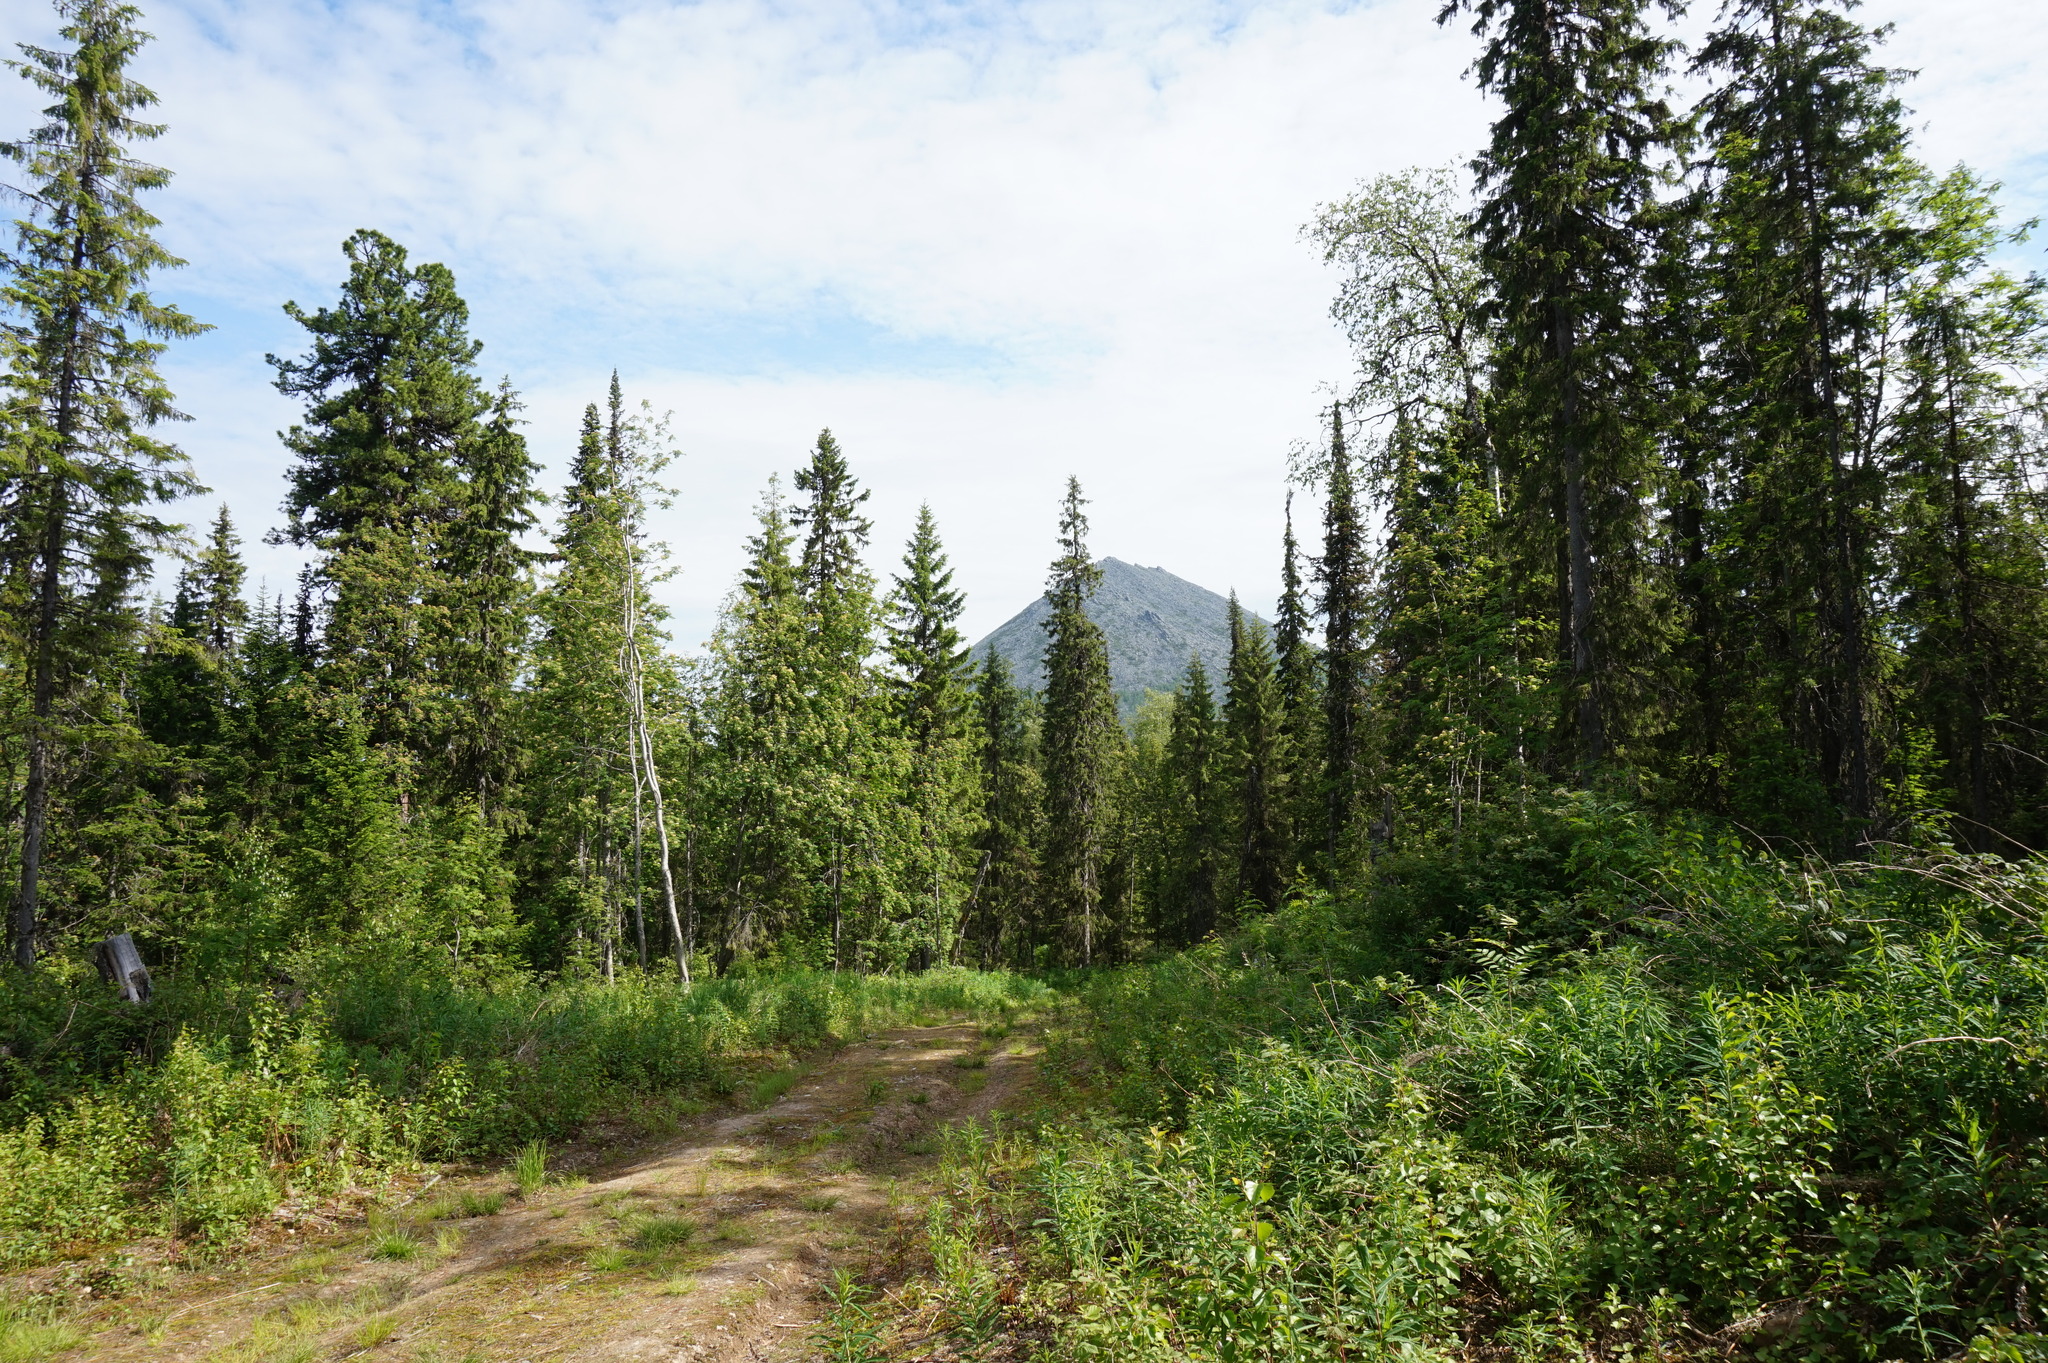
(28, 1341)
(375, 1331)
(530, 1167)
(771, 1087)
(394, 1246)
(662, 1232)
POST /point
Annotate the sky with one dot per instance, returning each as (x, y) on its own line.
(988, 245)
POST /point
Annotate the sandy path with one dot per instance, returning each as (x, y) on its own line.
(825, 1177)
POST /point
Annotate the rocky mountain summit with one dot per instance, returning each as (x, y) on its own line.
(1152, 621)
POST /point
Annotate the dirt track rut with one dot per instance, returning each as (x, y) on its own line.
(774, 1201)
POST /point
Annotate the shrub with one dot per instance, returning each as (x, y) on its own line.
(1680, 1088)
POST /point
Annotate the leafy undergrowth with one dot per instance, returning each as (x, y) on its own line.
(720, 1235)
(1705, 1104)
(369, 1079)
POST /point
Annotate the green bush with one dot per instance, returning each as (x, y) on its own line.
(66, 1178)
(1686, 1090)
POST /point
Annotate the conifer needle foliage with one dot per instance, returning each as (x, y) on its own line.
(1598, 916)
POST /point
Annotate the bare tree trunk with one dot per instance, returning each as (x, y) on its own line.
(690, 861)
(838, 907)
(636, 695)
(639, 868)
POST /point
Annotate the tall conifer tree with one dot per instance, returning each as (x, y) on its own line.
(1256, 764)
(484, 595)
(1808, 168)
(1001, 914)
(1297, 673)
(1082, 738)
(79, 345)
(863, 829)
(1342, 575)
(590, 778)
(930, 689)
(184, 692)
(1566, 182)
(772, 750)
(1969, 558)
(394, 413)
(1197, 839)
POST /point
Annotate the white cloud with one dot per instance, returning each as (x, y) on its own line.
(988, 244)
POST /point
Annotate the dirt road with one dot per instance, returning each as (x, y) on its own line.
(713, 1245)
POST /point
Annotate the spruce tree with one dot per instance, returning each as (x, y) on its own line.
(1000, 917)
(1807, 166)
(79, 345)
(1082, 739)
(1256, 764)
(1566, 181)
(185, 690)
(394, 412)
(1297, 671)
(1970, 568)
(772, 748)
(832, 576)
(597, 687)
(483, 600)
(1197, 839)
(864, 830)
(924, 644)
(930, 688)
(1342, 574)
(217, 612)
(574, 711)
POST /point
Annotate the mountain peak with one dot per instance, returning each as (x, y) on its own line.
(1151, 620)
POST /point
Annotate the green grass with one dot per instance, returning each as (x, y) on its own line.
(609, 1259)
(394, 1246)
(530, 1168)
(772, 1086)
(481, 1203)
(26, 1339)
(656, 1233)
(375, 1331)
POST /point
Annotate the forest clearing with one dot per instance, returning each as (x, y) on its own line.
(1602, 915)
